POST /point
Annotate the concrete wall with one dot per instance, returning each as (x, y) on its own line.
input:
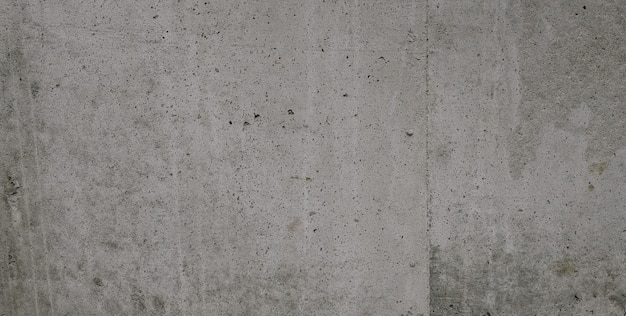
(528, 157)
(313, 157)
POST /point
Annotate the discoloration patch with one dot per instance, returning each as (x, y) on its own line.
(443, 154)
(619, 299)
(598, 167)
(97, 281)
(11, 197)
(523, 142)
(276, 292)
(307, 179)
(111, 244)
(138, 301)
(34, 89)
(11, 186)
(158, 303)
(293, 226)
(563, 267)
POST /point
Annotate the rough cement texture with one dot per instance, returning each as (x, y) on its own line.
(528, 156)
(213, 158)
(313, 157)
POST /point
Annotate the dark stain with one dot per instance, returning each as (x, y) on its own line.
(445, 289)
(138, 301)
(158, 303)
(619, 299)
(563, 267)
(11, 186)
(443, 153)
(111, 244)
(12, 260)
(16, 91)
(34, 89)
(462, 275)
(97, 281)
(152, 85)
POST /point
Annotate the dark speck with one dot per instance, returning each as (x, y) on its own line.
(156, 16)
(246, 123)
(345, 95)
(230, 122)
(256, 115)
(290, 112)
(584, 7)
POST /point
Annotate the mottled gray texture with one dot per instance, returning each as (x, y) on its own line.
(213, 158)
(313, 157)
(528, 178)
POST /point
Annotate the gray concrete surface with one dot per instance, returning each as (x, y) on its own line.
(313, 157)
(528, 158)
